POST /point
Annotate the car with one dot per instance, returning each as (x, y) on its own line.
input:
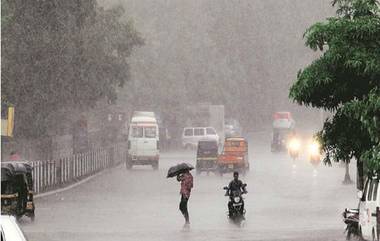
(232, 128)
(192, 135)
(10, 229)
(369, 210)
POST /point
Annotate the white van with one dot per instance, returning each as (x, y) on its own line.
(143, 141)
(369, 213)
(192, 135)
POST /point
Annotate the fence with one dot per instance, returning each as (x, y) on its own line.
(54, 174)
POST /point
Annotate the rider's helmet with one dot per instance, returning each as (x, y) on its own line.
(236, 175)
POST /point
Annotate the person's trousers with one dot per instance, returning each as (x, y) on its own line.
(183, 207)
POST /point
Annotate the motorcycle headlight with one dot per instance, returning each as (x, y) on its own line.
(314, 148)
(236, 199)
(294, 144)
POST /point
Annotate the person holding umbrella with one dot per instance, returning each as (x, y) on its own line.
(182, 171)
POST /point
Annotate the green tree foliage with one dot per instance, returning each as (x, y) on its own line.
(344, 80)
(61, 56)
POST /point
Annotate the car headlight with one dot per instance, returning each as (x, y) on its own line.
(294, 144)
(314, 148)
(236, 199)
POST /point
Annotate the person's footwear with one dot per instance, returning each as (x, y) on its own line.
(186, 225)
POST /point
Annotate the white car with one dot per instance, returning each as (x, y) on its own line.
(10, 231)
(192, 135)
(369, 212)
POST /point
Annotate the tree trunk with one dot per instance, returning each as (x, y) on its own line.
(360, 176)
(347, 179)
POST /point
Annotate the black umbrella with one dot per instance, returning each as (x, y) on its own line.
(178, 169)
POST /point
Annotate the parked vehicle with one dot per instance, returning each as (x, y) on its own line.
(369, 210)
(207, 155)
(192, 135)
(10, 229)
(17, 189)
(143, 141)
(237, 211)
(351, 219)
(232, 128)
(234, 156)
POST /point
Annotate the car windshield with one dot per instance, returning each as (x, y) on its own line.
(150, 132)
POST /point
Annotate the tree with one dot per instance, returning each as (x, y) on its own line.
(60, 57)
(344, 79)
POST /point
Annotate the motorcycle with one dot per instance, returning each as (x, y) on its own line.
(351, 219)
(236, 212)
(294, 146)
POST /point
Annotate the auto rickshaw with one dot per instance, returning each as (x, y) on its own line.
(17, 189)
(234, 156)
(207, 155)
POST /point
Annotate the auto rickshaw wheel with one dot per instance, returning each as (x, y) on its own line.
(32, 216)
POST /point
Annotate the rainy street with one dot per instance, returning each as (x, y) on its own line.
(285, 202)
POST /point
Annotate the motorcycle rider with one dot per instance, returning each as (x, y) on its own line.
(235, 185)
(186, 180)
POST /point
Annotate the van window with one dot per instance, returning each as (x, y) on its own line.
(375, 190)
(150, 132)
(199, 132)
(370, 191)
(137, 131)
(188, 132)
(210, 131)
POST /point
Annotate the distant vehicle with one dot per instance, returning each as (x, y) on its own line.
(205, 114)
(234, 156)
(17, 189)
(369, 210)
(283, 130)
(283, 120)
(192, 135)
(207, 155)
(232, 128)
(143, 140)
(10, 229)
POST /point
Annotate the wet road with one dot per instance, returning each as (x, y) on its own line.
(285, 202)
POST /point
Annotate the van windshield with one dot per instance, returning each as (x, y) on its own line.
(150, 132)
(137, 131)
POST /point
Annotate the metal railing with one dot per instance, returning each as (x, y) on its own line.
(54, 174)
